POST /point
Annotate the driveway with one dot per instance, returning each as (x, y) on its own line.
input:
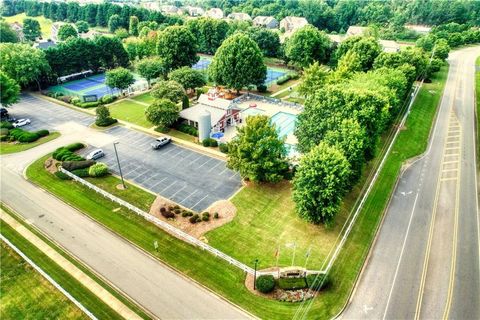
(182, 175)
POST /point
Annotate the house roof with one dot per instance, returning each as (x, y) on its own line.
(356, 31)
(389, 45)
(45, 44)
(264, 20)
(418, 28)
(194, 113)
(215, 13)
(239, 16)
(336, 38)
(212, 101)
(296, 22)
(17, 26)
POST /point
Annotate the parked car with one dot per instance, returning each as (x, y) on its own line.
(95, 154)
(21, 123)
(160, 142)
(3, 113)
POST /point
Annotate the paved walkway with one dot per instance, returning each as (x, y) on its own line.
(75, 272)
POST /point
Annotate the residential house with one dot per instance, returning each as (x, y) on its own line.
(223, 112)
(54, 31)
(194, 11)
(17, 27)
(335, 38)
(90, 34)
(169, 9)
(215, 13)
(44, 44)
(265, 22)
(389, 46)
(355, 31)
(422, 29)
(290, 24)
(239, 16)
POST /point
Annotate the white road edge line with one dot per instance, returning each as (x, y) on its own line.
(401, 256)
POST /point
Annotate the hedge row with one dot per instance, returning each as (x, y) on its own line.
(209, 142)
(21, 135)
(286, 77)
(187, 129)
(67, 153)
(77, 102)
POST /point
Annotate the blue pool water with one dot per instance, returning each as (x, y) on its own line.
(252, 112)
(284, 122)
(272, 74)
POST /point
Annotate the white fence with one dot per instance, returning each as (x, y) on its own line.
(256, 97)
(163, 225)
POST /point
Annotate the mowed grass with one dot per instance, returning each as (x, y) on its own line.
(130, 111)
(8, 147)
(144, 98)
(266, 220)
(45, 24)
(27, 295)
(227, 280)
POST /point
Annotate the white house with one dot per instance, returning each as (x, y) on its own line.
(169, 9)
(418, 28)
(54, 30)
(290, 23)
(265, 22)
(389, 46)
(215, 13)
(17, 27)
(194, 11)
(240, 16)
(356, 31)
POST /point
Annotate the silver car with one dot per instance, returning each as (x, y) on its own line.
(95, 154)
(21, 123)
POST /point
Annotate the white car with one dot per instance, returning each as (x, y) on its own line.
(21, 123)
(160, 142)
(95, 154)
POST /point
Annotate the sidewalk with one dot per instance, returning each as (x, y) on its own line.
(79, 275)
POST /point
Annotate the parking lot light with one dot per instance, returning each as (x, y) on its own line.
(118, 162)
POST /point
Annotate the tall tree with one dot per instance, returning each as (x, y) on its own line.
(320, 183)
(189, 78)
(306, 46)
(151, 68)
(114, 22)
(23, 63)
(31, 29)
(162, 113)
(82, 26)
(314, 78)
(367, 49)
(7, 34)
(111, 53)
(168, 89)
(209, 33)
(257, 152)
(238, 63)
(133, 26)
(9, 90)
(119, 78)
(177, 46)
(66, 31)
(268, 41)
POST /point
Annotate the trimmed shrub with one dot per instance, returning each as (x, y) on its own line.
(4, 131)
(43, 133)
(168, 214)
(205, 216)
(283, 79)
(215, 215)
(75, 146)
(27, 137)
(293, 75)
(194, 219)
(209, 142)
(292, 283)
(108, 98)
(223, 147)
(265, 283)
(162, 209)
(187, 129)
(6, 124)
(82, 173)
(177, 211)
(106, 122)
(176, 207)
(75, 101)
(88, 104)
(99, 169)
(262, 88)
(318, 282)
(62, 176)
(70, 165)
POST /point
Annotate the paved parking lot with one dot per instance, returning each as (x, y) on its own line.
(187, 177)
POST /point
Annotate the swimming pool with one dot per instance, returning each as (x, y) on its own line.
(284, 122)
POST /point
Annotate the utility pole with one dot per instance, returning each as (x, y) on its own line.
(118, 162)
(255, 275)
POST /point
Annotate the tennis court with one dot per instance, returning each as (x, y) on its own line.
(93, 85)
(272, 74)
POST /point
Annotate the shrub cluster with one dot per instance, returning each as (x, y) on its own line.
(265, 283)
(82, 173)
(108, 98)
(77, 165)
(205, 216)
(194, 219)
(187, 129)
(65, 154)
(85, 105)
(167, 214)
(318, 282)
(262, 88)
(103, 118)
(62, 176)
(26, 136)
(186, 213)
(99, 169)
(215, 215)
(292, 283)
(6, 124)
(223, 147)
(209, 142)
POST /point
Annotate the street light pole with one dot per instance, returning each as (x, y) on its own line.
(255, 274)
(118, 162)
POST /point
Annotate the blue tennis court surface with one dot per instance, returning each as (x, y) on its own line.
(272, 74)
(284, 122)
(93, 85)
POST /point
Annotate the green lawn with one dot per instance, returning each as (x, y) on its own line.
(227, 280)
(8, 147)
(45, 24)
(130, 111)
(144, 97)
(20, 302)
(181, 135)
(26, 294)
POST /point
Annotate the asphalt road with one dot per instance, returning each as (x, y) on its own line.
(425, 261)
(184, 176)
(162, 291)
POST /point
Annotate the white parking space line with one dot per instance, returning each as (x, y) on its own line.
(164, 189)
(191, 194)
(219, 162)
(199, 201)
(210, 159)
(173, 195)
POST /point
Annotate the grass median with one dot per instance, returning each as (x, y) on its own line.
(225, 279)
(8, 147)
